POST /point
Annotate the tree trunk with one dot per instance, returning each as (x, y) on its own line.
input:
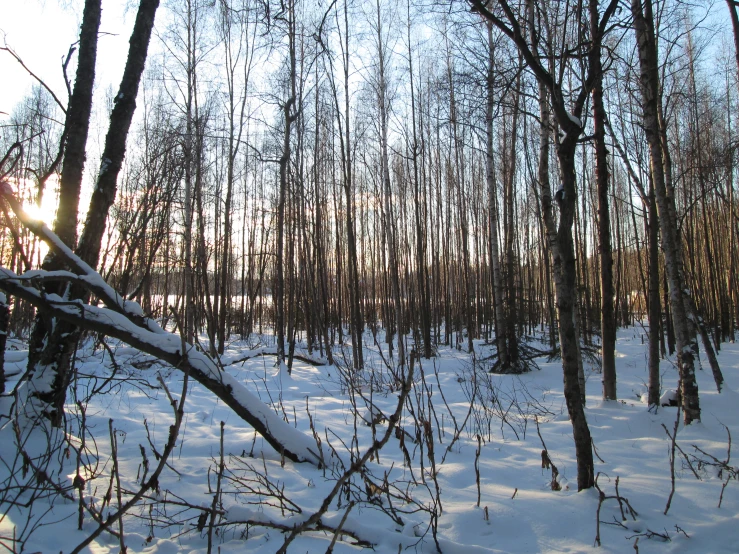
(733, 5)
(498, 295)
(104, 193)
(563, 263)
(390, 228)
(48, 375)
(77, 124)
(289, 118)
(648, 61)
(420, 203)
(562, 249)
(4, 318)
(655, 306)
(49, 358)
(607, 317)
(235, 132)
(509, 177)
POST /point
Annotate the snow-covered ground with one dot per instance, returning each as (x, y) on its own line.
(518, 510)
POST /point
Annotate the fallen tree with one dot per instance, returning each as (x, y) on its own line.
(124, 320)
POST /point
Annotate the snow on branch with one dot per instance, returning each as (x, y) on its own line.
(86, 275)
(124, 320)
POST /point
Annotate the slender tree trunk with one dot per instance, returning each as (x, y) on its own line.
(655, 306)
(564, 266)
(607, 316)
(235, 132)
(421, 266)
(4, 319)
(289, 116)
(644, 29)
(511, 312)
(498, 294)
(733, 303)
(733, 6)
(357, 326)
(188, 284)
(390, 228)
(562, 249)
(464, 282)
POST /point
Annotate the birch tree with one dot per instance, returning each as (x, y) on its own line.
(567, 110)
(649, 80)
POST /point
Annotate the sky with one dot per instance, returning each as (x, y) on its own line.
(41, 32)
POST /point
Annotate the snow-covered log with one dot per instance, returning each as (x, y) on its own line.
(125, 320)
(171, 348)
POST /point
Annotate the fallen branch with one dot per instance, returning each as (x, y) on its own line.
(124, 319)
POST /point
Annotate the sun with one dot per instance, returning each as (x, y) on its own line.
(46, 212)
(39, 213)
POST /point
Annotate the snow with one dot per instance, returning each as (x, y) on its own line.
(668, 397)
(574, 120)
(518, 512)
(104, 165)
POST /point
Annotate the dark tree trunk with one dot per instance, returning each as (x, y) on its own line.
(390, 223)
(354, 292)
(76, 126)
(497, 278)
(511, 312)
(564, 266)
(733, 6)
(4, 318)
(290, 116)
(561, 247)
(655, 306)
(560, 239)
(62, 339)
(607, 317)
(115, 141)
(420, 220)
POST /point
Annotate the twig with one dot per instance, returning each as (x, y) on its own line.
(40, 81)
(602, 497)
(546, 461)
(153, 482)
(330, 548)
(673, 439)
(115, 472)
(217, 495)
(477, 469)
(356, 465)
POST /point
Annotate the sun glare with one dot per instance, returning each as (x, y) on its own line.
(36, 212)
(47, 211)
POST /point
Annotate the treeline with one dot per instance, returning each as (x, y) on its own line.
(320, 171)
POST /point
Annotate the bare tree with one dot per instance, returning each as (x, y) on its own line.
(560, 239)
(648, 62)
(47, 371)
(733, 5)
(242, 33)
(383, 108)
(602, 177)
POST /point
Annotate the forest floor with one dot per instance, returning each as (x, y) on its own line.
(518, 511)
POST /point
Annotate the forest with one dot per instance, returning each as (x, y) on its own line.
(390, 246)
